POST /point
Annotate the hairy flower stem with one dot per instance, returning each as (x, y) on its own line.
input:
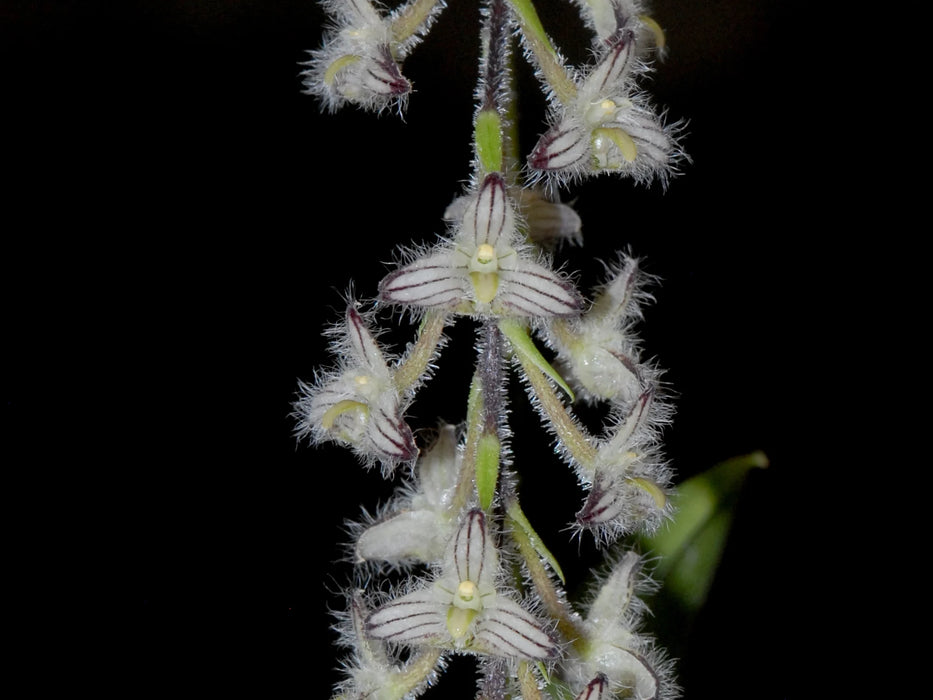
(550, 598)
(492, 377)
(577, 443)
(415, 673)
(418, 358)
(552, 70)
(412, 18)
(495, 62)
(494, 681)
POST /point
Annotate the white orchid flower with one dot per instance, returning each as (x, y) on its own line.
(358, 404)
(609, 126)
(486, 269)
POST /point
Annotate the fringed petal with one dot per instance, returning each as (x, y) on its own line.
(416, 618)
(489, 216)
(504, 628)
(530, 289)
(566, 146)
(431, 282)
(473, 552)
(390, 435)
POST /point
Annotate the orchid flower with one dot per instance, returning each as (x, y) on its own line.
(358, 404)
(485, 270)
(608, 125)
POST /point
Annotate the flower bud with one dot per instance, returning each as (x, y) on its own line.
(550, 223)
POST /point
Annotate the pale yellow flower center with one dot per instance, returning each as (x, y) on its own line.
(466, 592)
(485, 254)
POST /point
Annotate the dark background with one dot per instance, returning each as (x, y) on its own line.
(181, 224)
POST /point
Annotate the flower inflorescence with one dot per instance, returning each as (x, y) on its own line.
(475, 577)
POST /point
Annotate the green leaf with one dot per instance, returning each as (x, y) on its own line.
(691, 547)
(487, 469)
(519, 518)
(522, 342)
(488, 132)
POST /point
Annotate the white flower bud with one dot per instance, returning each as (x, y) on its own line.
(367, 79)
(550, 223)
(420, 527)
(620, 502)
(358, 62)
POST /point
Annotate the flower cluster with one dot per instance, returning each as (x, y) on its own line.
(598, 352)
(462, 569)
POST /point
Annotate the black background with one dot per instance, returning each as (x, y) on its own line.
(182, 222)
